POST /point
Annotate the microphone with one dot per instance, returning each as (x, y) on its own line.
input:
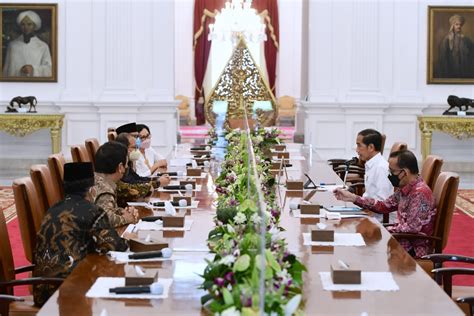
(174, 187)
(351, 161)
(151, 218)
(163, 253)
(154, 288)
(171, 174)
(182, 203)
(162, 204)
(294, 205)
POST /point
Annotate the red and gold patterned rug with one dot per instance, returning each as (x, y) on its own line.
(7, 203)
(465, 202)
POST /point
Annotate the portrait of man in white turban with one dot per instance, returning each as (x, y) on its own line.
(27, 55)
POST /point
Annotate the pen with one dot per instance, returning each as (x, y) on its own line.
(322, 183)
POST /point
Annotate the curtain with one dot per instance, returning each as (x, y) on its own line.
(204, 13)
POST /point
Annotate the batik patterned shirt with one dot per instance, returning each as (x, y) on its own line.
(70, 230)
(416, 213)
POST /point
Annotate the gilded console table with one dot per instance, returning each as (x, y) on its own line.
(19, 124)
(457, 126)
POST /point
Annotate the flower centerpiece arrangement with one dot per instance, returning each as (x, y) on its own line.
(234, 277)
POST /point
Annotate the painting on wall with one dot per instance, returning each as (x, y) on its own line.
(29, 42)
(450, 45)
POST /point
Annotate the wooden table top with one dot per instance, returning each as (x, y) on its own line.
(418, 294)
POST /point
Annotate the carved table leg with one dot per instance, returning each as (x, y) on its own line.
(426, 143)
(56, 139)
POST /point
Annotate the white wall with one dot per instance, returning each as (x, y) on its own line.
(367, 69)
(115, 65)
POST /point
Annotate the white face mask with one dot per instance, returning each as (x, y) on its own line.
(134, 155)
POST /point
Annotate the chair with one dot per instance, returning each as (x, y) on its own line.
(445, 192)
(444, 277)
(48, 193)
(111, 136)
(29, 212)
(56, 167)
(431, 169)
(286, 108)
(92, 144)
(397, 146)
(183, 108)
(79, 153)
(9, 304)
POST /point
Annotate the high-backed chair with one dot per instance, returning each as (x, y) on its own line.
(10, 305)
(183, 108)
(286, 107)
(111, 136)
(445, 191)
(397, 146)
(56, 167)
(431, 169)
(92, 144)
(48, 193)
(29, 212)
(79, 153)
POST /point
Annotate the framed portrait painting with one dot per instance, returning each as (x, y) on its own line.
(29, 42)
(451, 44)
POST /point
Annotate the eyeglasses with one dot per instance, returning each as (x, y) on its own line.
(144, 137)
(393, 173)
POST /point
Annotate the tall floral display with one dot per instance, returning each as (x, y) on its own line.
(233, 279)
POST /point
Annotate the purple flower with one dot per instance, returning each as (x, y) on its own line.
(220, 282)
(246, 300)
(229, 276)
(233, 202)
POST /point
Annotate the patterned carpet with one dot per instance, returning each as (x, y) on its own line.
(7, 203)
(465, 202)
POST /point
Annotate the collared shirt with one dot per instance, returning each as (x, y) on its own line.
(152, 156)
(104, 195)
(416, 213)
(377, 185)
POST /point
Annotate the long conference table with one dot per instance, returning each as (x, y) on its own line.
(418, 293)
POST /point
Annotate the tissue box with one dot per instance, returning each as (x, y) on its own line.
(174, 221)
(294, 185)
(140, 245)
(132, 278)
(340, 275)
(279, 147)
(184, 182)
(322, 235)
(284, 154)
(312, 209)
(193, 172)
(177, 197)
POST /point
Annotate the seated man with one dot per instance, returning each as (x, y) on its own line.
(110, 167)
(150, 161)
(71, 229)
(369, 145)
(413, 202)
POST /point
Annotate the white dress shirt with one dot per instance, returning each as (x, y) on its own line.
(377, 185)
(152, 156)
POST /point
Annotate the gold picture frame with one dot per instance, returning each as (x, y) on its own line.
(450, 45)
(29, 42)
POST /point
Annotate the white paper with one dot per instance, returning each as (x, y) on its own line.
(122, 257)
(370, 281)
(158, 225)
(179, 162)
(340, 239)
(169, 209)
(330, 188)
(101, 286)
(297, 213)
(196, 189)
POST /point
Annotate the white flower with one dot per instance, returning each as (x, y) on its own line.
(227, 260)
(292, 305)
(276, 234)
(231, 311)
(240, 218)
(255, 218)
(230, 229)
(283, 274)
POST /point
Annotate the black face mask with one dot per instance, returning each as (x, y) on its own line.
(394, 180)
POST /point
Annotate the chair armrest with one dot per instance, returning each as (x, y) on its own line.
(10, 298)
(466, 299)
(410, 236)
(440, 258)
(24, 269)
(388, 224)
(447, 275)
(31, 281)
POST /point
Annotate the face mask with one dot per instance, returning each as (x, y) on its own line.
(134, 155)
(394, 180)
(145, 144)
(138, 142)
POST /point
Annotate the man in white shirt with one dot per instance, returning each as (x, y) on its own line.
(369, 145)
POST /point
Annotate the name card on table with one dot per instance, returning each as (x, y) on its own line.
(136, 275)
(147, 244)
(294, 185)
(312, 209)
(345, 274)
(174, 221)
(193, 172)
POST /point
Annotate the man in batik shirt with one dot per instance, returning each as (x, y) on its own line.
(413, 202)
(71, 229)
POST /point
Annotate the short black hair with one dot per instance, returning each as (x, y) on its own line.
(142, 126)
(122, 138)
(109, 156)
(371, 136)
(406, 160)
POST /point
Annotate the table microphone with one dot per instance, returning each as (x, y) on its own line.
(171, 174)
(162, 204)
(351, 161)
(294, 205)
(153, 288)
(163, 253)
(174, 187)
(151, 218)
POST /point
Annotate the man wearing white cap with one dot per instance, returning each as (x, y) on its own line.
(27, 55)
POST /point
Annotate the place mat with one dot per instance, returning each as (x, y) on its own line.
(122, 257)
(158, 225)
(370, 281)
(340, 239)
(297, 213)
(101, 286)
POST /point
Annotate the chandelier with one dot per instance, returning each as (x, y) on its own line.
(237, 19)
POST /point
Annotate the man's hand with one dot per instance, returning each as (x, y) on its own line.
(131, 214)
(27, 70)
(162, 163)
(164, 180)
(344, 195)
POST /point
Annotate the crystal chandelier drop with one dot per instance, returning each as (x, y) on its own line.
(237, 19)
